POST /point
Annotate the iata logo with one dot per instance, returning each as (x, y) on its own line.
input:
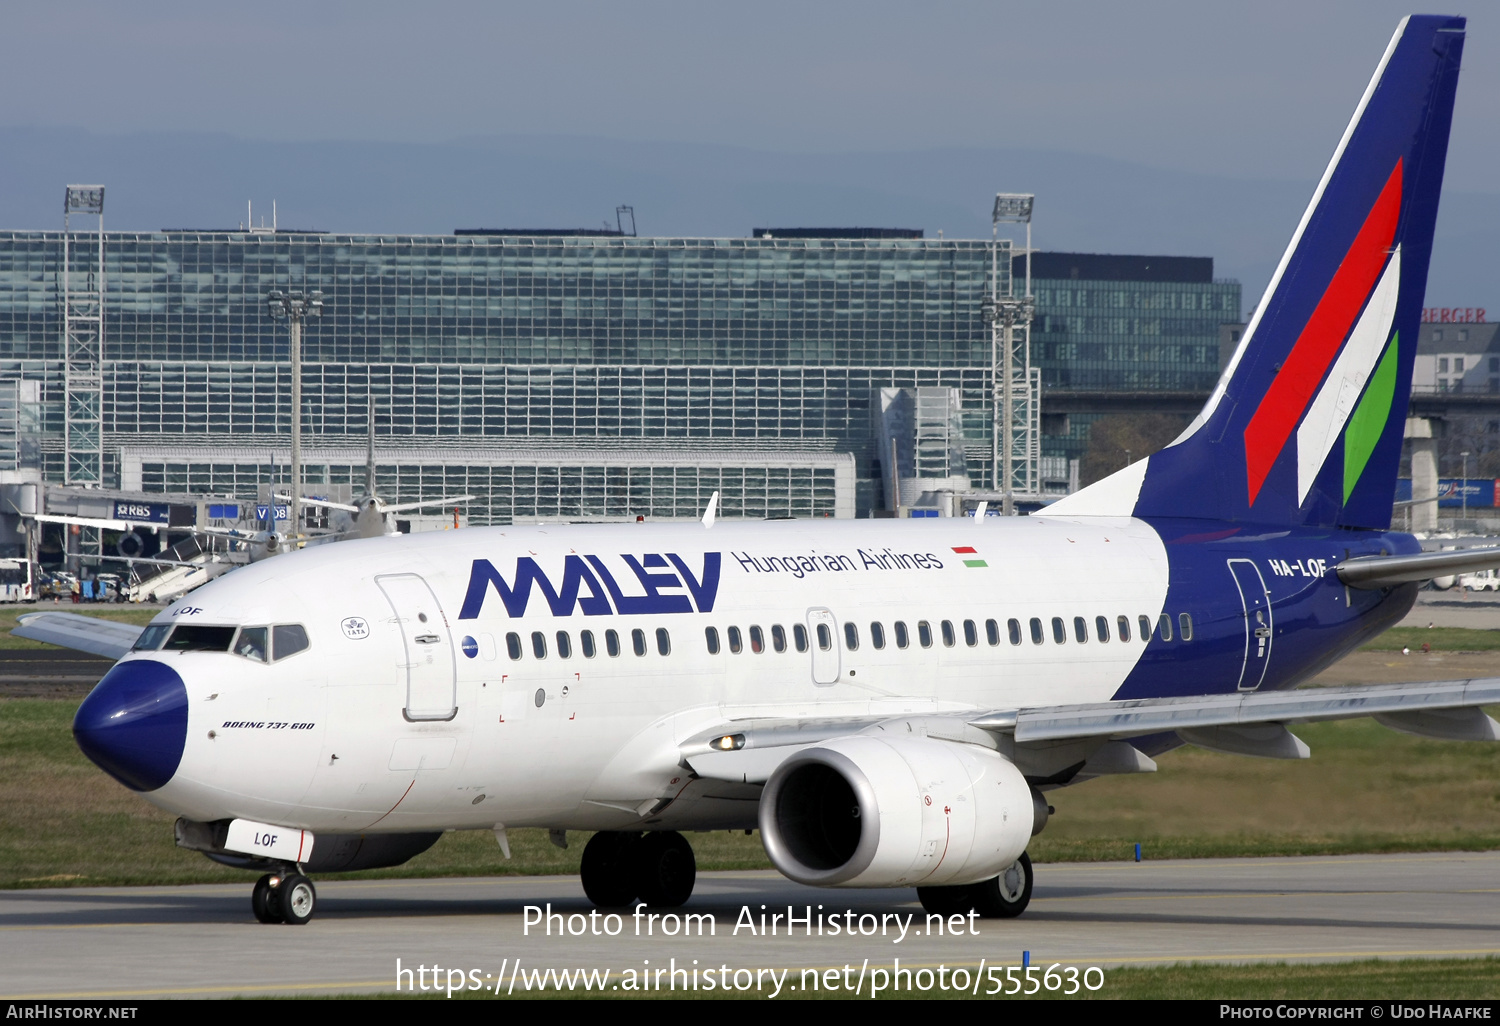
(588, 584)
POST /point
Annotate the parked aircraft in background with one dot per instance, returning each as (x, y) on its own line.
(893, 703)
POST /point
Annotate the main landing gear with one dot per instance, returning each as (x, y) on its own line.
(1004, 897)
(287, 897)
(620, 867)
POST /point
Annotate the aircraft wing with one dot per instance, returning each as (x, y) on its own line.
(1371, 572)
(85, 633)
(106, 524)
(749, 751)
(446, 501)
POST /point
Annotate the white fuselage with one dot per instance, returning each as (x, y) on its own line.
(355, 733)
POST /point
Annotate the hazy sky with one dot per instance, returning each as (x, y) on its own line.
(1260, 90)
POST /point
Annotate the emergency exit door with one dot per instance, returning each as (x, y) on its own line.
(1257, 606)
(427, 647)
(823, 633)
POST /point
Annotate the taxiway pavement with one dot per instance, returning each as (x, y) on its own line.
(201, 941)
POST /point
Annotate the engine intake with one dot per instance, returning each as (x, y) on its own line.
(867, 811)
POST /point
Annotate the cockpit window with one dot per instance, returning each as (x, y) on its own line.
(151, 637)
(288, 639)
(199, 637)
(252, 644)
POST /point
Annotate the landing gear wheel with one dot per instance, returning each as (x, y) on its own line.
(1007, 895)
(665, 869)
(297, 899)
(265, 901)
(946, 901)
(608, 868)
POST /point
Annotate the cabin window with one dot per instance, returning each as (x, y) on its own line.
(1080, 629)
(1164, 627)
(736, 645)
(1101, 627)
(663, 642)
(197, 637)
(851, 637)
(1144, 622)
(612, 643)
(564, 645)
(992, 632)
(487, 646)
(778, 637)
(287, 639)
(586, 642)
(1185, 626)
(949, 639)
(253, 643)
(971, 633)
(825, 637)
(1122, 627)
(757, 640)
(539, 644)
(902, 638)
(711, 635)
(638, 641)
(799, 637)
(151, 637)
(924, 633)
(877, 634)
(513, 645)
(1059, 630)
(1037, 637)
(1013, 626)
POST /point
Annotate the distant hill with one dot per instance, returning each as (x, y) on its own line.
(1084, 203)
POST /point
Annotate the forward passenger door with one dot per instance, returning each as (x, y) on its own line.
(431, 671)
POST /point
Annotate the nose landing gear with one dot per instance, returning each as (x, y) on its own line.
(284, 898)
(619, 867)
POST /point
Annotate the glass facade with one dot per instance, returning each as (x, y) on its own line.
(1130, 336)
(496, 343)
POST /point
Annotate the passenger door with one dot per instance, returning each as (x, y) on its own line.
(823, 636)
(1257, 605)
(431, 679)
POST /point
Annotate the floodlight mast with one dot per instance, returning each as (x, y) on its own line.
(83, 339)
(1002, 314)
(295, 307)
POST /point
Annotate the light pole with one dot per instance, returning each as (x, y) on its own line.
(1463, 491)
(295, 307)
(1003, 314)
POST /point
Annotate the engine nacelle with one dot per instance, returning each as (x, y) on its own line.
(867, 811)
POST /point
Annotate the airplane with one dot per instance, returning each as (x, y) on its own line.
(891, 703)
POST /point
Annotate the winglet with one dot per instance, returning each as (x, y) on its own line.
(712, 511)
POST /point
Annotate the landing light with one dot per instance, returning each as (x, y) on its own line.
(728, 743)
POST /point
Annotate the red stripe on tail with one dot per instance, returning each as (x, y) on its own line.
(1323, 336)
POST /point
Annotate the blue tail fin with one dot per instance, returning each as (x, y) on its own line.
(1305, 425)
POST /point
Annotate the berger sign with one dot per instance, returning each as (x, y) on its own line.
(1452, 314)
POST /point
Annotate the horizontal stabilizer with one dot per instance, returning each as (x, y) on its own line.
(1371, 572)
(84, 633)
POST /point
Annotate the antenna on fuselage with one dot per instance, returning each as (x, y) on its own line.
(712, 511)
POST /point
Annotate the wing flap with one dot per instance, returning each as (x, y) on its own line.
(84, 633)
(1155, 715)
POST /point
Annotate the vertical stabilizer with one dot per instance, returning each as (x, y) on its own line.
(1305, 424)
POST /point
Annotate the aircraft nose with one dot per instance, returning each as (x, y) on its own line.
(133, 725)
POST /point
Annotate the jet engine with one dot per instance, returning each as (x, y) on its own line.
(867, 811)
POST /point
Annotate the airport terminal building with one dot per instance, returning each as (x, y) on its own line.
(571, 375)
